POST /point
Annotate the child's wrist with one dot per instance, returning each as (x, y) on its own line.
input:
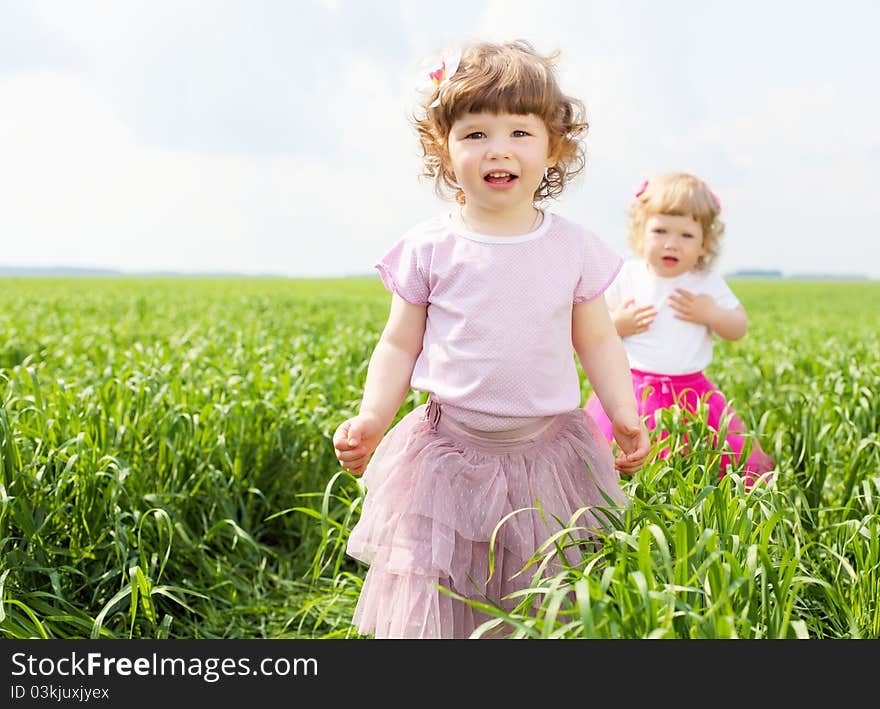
(383, 422)
(624, 414)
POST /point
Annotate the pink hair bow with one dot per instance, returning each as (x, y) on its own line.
(641, 190)
(715, 200)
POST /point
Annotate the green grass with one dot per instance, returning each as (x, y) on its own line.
(166, 471)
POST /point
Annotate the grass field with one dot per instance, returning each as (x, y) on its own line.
(166, 471)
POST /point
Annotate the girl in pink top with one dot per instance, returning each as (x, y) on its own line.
(487, 304)
(667, 306)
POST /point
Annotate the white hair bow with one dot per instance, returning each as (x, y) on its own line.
(435, 74)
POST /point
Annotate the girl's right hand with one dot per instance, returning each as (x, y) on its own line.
(355, 440)
(632, 439)
(631, 320)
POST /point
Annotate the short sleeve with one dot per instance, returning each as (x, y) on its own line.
(614, 292)
(724, 297)
(403, 273)
(600, 266)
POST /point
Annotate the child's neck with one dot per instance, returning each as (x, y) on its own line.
(512, 222)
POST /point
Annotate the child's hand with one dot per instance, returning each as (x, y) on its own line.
(355, 440)
(693, 308)
(633, 442)
(631, 320)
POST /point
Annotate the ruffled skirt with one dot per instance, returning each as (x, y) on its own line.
(439, 493)
(660, 391)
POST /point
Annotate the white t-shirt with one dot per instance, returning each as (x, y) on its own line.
(498, 331)
(669, 345)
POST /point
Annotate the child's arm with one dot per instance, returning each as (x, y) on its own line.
(604, 361)
(729, 323)
(388, 379)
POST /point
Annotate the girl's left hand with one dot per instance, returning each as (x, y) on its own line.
(693, 308)
(632, 439)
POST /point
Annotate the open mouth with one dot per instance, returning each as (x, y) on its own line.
(499, 177)
(670, 260)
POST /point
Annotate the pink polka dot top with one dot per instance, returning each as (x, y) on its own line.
(498, 332)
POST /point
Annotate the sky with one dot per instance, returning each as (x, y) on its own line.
(264, 137)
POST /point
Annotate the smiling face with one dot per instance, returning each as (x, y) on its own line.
(498, 161)
(672, 244)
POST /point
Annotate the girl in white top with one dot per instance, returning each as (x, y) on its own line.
(488, 303)
(669, 304)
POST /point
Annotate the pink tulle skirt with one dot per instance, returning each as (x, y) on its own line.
(660, 391)
(436, 494)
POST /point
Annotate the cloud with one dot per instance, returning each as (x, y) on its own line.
(82, 189)
(273, 136)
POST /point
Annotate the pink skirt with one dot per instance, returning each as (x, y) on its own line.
(436, 492)
(660, 391)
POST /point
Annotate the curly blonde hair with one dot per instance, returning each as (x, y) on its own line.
(503, 78)
(678, 194)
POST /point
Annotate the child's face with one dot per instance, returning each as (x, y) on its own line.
(499, 160)
(672, 244)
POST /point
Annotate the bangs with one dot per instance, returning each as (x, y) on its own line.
(503, 91)
(680, 199)
(500, 83)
